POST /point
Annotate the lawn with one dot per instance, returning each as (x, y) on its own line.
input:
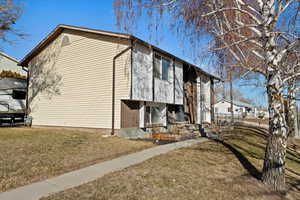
(28, 155)
(225, 169)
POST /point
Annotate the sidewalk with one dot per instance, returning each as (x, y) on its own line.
(72, 179)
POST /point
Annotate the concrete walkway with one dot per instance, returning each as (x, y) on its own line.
(69, 180)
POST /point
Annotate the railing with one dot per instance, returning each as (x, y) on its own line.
(226, 119)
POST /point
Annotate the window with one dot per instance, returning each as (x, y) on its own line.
(154, 115)
(162, 67)
(179, 111)
(18, 94)
(165, 69)
(148, 115)
(65, 41)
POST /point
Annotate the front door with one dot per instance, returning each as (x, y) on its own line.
(130, 114)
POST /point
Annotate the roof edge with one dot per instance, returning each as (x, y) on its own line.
(235, 102)
(9, 57)
(59, 28)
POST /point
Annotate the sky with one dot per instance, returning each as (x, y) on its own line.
(40, 17)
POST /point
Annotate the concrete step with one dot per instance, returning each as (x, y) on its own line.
(133, 133)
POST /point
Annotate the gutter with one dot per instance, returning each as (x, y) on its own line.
(27, 106)
(113, 87)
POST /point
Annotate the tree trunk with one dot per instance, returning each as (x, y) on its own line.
(291, 110)
(274, 162)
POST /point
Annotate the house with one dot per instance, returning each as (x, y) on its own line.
(13, 86)
(240, 109)
(80, 77)
(8, 63)
(263, 112)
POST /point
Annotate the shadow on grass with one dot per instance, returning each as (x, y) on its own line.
(293, 184)
(293, 155)
(243, 160)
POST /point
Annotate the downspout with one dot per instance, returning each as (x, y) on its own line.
(113, 88)
(27, 85)
(131, 70)
(201, 100)
(153, 79)
(212, 100)
(174, 82)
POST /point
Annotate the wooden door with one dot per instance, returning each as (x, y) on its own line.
(130, 114)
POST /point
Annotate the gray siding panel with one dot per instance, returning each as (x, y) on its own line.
(142, 76)
(142, 72)
(163, 91)
(179, 83)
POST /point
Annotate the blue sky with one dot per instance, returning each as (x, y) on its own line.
(40, 17)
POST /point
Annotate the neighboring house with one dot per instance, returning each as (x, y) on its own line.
(223, 108)
(81, 77)
(13, 85)
(263, 112)
(12, 95)
(8, 63)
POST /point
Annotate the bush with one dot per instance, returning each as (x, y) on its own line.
(10, 74)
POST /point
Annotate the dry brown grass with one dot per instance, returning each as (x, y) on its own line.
(28, 155)
(225, 169)
(259, 121)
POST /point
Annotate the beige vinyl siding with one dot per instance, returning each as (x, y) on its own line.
(81, 93)
(8, 64)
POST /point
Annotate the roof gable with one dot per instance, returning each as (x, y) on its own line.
(8, 57)
(59, 29)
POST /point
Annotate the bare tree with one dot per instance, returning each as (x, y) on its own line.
(9, 14)
(255, 34)
(222, 92)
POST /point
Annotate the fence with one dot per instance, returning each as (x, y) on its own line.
(226, 119)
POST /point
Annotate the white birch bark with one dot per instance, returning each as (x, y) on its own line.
(275, 153)
(291, 110)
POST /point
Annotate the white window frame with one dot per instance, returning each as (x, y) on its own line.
(161, 66)
(163, 114)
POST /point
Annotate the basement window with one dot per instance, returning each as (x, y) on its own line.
(162, 67)
(154, 115)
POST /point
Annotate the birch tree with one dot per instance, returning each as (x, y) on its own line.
(292, 65)
(255, 34)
